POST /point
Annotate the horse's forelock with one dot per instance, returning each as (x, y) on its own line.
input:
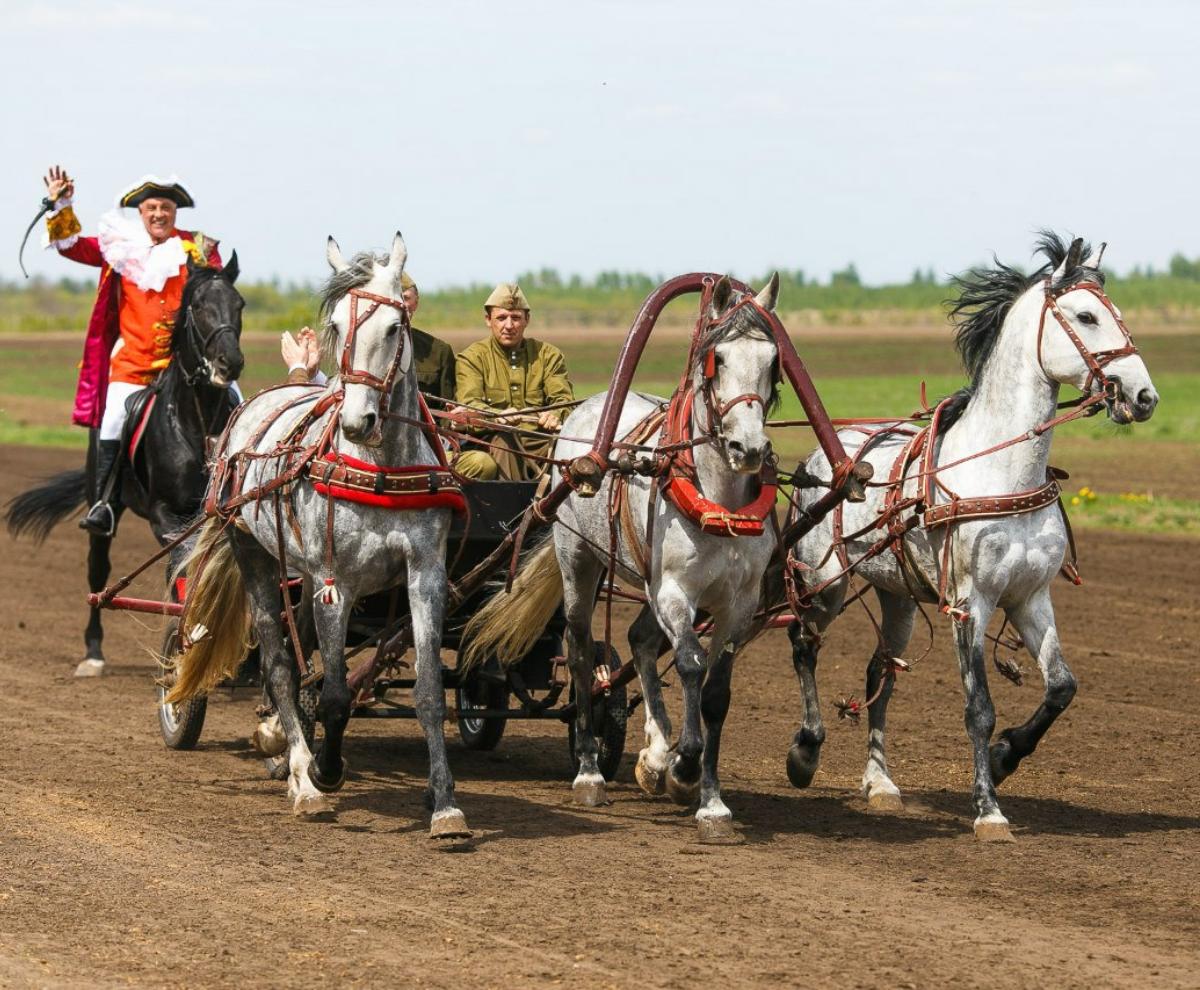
(744, 322)
(357, 273)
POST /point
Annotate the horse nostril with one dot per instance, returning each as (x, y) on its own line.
(368, 422)
(737, 446)
(1147, 398)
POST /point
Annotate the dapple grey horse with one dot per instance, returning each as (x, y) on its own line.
(1014, 343)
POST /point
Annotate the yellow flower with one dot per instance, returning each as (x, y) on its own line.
(1074, 499)
(194, 252)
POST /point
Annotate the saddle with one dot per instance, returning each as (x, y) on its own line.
(138, 408)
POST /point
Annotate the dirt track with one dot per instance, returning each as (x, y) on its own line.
(122, 863)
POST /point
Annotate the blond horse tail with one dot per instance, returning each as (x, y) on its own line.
(217, 617)
(510, 623)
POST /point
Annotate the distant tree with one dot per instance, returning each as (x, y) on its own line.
(847, 276)
(1181, 267)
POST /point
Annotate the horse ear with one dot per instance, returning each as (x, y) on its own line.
(333, 254)
(398, 255)
(1071, 261)
(770, 293)
(231, 268)
(1095, 257)
(721, 296)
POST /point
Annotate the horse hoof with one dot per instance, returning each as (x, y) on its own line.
(322, 785)
(269, 738)
(993, 832)
(680, 791)
(717, 832)
(448, 832)
(312, 805)
(884, 801)
(802, 763)
(588, 792)
(90, 668)
(653, 782)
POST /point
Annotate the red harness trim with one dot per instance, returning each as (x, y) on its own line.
(136, 439)
(683, 493)
(437, 496)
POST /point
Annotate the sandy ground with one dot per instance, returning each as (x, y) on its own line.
(125, 864)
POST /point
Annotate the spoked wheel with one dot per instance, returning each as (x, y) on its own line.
(278, 766)
(182, 723)
(484, 688)
(609, 720)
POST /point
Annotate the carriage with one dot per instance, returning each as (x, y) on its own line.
(484, 699)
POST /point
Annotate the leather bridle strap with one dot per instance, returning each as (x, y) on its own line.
(1096, 361)
(351, 376)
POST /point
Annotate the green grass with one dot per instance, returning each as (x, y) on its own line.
(1136, 512)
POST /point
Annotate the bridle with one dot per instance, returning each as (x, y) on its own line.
(1096, 361)
(346, 371)
(717, 411)
(198, 344)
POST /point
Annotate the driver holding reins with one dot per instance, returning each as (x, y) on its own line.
(143, 267)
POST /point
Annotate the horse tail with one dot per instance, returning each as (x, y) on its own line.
(217, 616)
(510, 623)
(40, 509)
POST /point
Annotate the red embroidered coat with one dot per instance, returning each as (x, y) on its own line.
(104, 328)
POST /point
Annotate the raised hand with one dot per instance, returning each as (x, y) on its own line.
(59, 185)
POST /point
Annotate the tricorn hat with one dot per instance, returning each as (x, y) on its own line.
(152, 187)
(507, 295)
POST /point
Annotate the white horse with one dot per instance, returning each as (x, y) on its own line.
(1020, 338)
(734, 374)
(373, 427)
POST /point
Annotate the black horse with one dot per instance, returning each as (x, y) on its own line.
(166, 480)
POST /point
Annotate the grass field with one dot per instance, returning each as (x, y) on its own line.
(1153, 465)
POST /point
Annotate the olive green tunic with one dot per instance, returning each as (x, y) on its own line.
(493, 377)
(434, 362)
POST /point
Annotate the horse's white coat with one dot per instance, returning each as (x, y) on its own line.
(1006, 562)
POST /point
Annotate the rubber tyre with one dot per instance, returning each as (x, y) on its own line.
(277, 766)
(610, 718)
(180, 724)
(481, 734)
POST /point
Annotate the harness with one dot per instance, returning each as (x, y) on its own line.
(921, 450)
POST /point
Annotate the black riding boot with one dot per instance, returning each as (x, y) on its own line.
(101, 518)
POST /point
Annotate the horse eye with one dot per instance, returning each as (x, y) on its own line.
(391, 331)
(1087, 318)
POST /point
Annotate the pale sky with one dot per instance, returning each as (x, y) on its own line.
(653, 136)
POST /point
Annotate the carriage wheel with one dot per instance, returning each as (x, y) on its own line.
(481, 734)
(181, 723)
(278, 767)
(609, 720)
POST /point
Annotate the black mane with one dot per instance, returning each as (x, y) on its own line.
(985, 297)
(742, 323)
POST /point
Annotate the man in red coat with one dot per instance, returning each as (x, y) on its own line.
(143, 267)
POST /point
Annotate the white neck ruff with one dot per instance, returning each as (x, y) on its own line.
(126, 246)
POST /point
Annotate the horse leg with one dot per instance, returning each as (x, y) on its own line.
(99, 566)
(804, 755)
(1034, 620)
(427, 605)
(897, 615)
(980, 719)
(677, 615)
(581, 578)
(713, 819)
(646, 645)
(328, 769)
(260, 572)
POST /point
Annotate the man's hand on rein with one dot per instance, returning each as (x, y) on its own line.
(548, 420)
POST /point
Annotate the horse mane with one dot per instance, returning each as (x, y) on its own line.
(357, 273)
(742, 323)
(984, 299)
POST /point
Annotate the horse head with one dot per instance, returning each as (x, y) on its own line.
(209, 347)
(1095, 352)
(736, 371)
(366, 331)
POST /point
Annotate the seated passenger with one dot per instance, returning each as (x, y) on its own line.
(433, 358)
(504, 373)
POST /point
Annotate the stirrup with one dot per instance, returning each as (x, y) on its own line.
(100, 520)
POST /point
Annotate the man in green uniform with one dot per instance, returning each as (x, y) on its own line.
(505, 372)
(433, 358)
